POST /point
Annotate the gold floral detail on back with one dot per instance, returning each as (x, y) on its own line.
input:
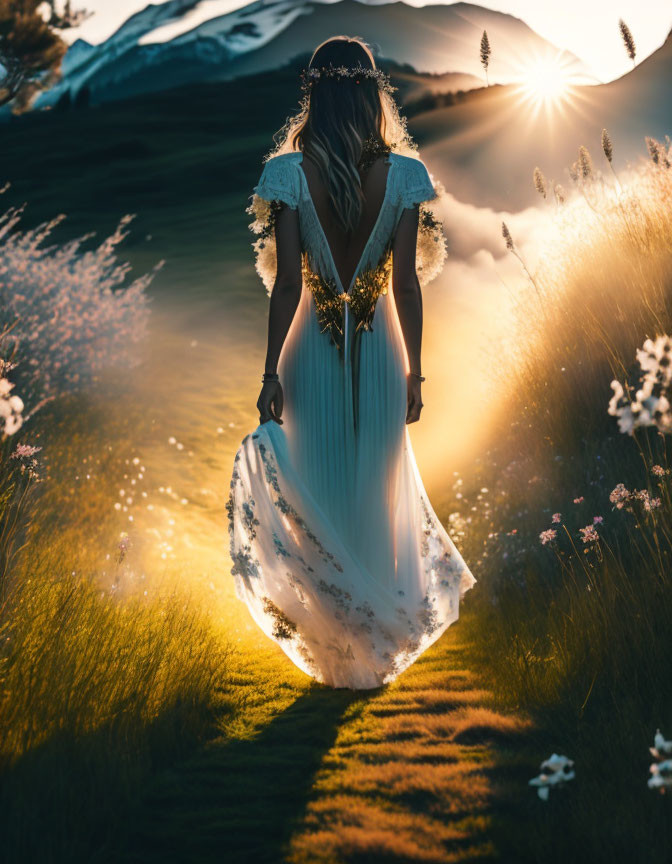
(369, 285)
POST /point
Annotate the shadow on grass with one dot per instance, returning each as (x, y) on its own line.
(238, 800)
(67, 797)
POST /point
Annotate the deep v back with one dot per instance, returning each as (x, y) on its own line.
(347, 254)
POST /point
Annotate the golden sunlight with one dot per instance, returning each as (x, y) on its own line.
(546, 80)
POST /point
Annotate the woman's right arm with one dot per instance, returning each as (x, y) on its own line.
(285, 298)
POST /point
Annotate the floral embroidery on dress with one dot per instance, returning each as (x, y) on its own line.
(283, 628)
(271, 473)
(245, 566)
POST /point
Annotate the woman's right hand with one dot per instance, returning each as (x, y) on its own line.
(413, 399)
(270, 401)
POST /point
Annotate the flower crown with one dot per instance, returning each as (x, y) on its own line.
(315, 73)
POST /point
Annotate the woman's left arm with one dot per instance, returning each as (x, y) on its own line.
(408, 300)
(285, 298)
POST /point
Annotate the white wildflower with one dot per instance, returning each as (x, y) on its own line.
(554, 771)
(651, 404)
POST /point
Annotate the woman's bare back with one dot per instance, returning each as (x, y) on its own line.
(347, 250)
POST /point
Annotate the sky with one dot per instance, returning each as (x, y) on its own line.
(588, 28)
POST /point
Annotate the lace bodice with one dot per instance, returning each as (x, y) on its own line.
(408, 184)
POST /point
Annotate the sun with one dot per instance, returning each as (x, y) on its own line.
(546, 80)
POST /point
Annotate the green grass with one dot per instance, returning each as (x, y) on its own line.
(95, 694)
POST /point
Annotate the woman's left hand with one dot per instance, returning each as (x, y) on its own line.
(413, 399)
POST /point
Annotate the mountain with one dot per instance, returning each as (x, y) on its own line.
(169, 44)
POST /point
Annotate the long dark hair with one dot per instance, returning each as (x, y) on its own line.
(339, 117)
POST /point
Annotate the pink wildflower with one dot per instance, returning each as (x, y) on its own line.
(548, 536)
(589, 534)
(648, 502)
(619, 495)
(579, 500)
(556, 518)
(598, 520)
(24, 451)
(659, 471)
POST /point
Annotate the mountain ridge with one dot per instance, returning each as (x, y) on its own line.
(264, 35)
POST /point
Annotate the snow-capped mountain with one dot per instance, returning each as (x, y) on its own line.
(185, 41)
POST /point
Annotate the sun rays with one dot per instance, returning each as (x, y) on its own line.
(547, 84)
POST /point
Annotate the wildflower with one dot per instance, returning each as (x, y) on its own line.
(652, 403)
(660, 745)
(661, 775)
(598, 520)
(661, 770)
(659, 471)
(553, 772)
(24, 451)
(619, 495)
(123, 545)
(579, 500)
(548, 536)
(648, 502)
(607, 145)
(72, 316)
(556, 518)
(11, 408)
(589, 534)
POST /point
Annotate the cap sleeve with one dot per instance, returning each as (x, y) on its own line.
(278, 182)
(417, 186)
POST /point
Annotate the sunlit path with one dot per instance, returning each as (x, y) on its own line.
(418, 771)
(422, 770)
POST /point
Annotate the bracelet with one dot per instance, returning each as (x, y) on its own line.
(270, 376)
(417, 375)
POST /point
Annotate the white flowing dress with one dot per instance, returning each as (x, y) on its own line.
(335, 547)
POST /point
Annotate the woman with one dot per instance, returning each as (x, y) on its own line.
(335, 547)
